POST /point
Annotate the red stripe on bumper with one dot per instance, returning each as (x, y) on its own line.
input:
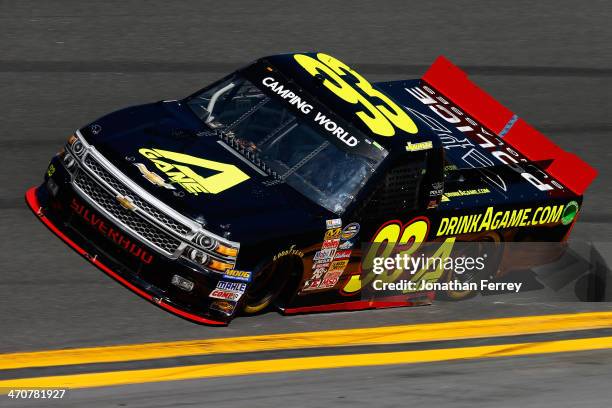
(354, 305)
(35, 206)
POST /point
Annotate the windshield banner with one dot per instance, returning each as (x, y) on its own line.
(307, 108)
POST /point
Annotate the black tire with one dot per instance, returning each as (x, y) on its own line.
(491, 240)
(268, 285)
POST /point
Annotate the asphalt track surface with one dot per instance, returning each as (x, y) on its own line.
(65, 63)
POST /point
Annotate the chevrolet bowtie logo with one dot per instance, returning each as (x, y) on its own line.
(126, 202)
(153, 178)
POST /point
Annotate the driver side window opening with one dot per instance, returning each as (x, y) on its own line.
(398, 192)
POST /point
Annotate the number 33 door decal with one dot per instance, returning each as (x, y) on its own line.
(381, 115)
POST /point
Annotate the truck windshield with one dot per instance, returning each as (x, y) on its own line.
(265, 132)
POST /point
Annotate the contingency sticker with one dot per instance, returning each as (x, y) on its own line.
(228, 291)
(234, 274)
(331, 261)
(335, 223)
(223, 306)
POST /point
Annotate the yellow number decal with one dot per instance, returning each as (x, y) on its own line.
(228, 176)
(414, 234)
(382, 119)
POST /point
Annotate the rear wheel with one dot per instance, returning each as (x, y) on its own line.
(489, 245)
(270, 283)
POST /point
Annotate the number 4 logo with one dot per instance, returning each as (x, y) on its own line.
(174, 165)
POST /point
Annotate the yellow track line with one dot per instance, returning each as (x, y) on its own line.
(331, 338)
(304, 363)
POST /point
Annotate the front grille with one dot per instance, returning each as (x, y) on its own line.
(144, 206)
(139, 226)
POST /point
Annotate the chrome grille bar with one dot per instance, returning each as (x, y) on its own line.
(137, 226)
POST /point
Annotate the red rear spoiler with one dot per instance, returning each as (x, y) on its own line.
(453, 83)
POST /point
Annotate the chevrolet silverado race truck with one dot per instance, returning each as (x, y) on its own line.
(259, 190)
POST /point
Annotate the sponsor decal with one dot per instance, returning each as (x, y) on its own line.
(329, 262)
(436, 189)
(177, 167)
(119, 238)
(244, 276)
(462, 193)
(228, 291)
(328, 283)
(417, 147)
(335, 223)
(569, 213)
(324, 254)
(312, 284)
(405, 240)
(152, 177)
(287, 252)
(343, 254)
(330, 280)
(475, 139)
(233, 286)
(350, 231)
(305, 108)
(225, 295)
(223, 306)
(338, 266)
(492, 219)
(333, 275)
(346, 245)
(287, 94)
(318, 265)
(333, 233)
(450, 167)
(330, 243)
(318, 273)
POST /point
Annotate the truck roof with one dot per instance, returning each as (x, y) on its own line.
(478, 135)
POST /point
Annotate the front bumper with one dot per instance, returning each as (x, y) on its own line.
(38, 201)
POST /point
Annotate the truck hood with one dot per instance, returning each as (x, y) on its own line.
(195, 173)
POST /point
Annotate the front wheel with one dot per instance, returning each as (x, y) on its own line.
(269, 284)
